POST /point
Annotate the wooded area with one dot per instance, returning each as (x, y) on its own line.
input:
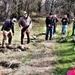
(9, 8)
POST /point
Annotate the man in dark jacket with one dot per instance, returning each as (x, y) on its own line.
(8, 24)
(49, 26)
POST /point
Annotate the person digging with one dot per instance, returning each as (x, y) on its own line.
(5, 30)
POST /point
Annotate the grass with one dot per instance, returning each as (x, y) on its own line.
(65, 53)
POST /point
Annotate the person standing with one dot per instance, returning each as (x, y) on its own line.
(55, 23)
(8, 24)
(24, 23)
(73, 28)
(65, 22)
(49, 26)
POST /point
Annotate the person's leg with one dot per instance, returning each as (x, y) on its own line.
(73, 30)
(9, 38)
(47, 32)
(55, 27)
(22, 35)
(65, 29)
(51, 33)
(28, 35)
(4, 38)
(54, 30)
(62, 29)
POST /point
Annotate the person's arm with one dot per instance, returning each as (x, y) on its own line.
(12, 29)
(47, 22)
(56, 19)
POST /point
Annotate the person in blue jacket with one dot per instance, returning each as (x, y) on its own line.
(49, 26)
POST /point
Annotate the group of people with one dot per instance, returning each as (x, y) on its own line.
(51, 23)
(24, 24)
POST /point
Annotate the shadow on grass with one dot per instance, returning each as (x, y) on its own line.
(61, 71)
(65, 52)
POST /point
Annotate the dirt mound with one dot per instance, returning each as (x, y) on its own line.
(10, 64)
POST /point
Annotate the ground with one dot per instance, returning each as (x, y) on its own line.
(36, 59)
(39, 57)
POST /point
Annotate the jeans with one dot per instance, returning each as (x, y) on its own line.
(64, 28)
(73, 29)
(49, 30)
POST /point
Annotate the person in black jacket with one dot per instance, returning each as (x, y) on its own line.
(49, 26)
(65, 22)
(8, 24)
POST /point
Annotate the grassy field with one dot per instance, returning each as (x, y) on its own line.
(65, 52)
(42, 57)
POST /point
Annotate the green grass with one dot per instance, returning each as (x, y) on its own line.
(65, 53)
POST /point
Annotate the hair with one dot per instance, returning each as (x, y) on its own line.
(50, 13)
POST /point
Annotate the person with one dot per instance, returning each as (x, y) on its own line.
(49, 26)
(65, 22)
(73, 28)
(55, 23)
(8, 24)
(24, 24)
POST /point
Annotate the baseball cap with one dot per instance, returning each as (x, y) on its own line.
(24, 12)
(14, 19)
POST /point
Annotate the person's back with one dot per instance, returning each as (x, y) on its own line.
(7, 25)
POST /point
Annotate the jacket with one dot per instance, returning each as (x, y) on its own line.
(8, 25)
(49, 21)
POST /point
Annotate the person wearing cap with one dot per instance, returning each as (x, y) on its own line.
(49, 26)
(24, 23)
(7, 26)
